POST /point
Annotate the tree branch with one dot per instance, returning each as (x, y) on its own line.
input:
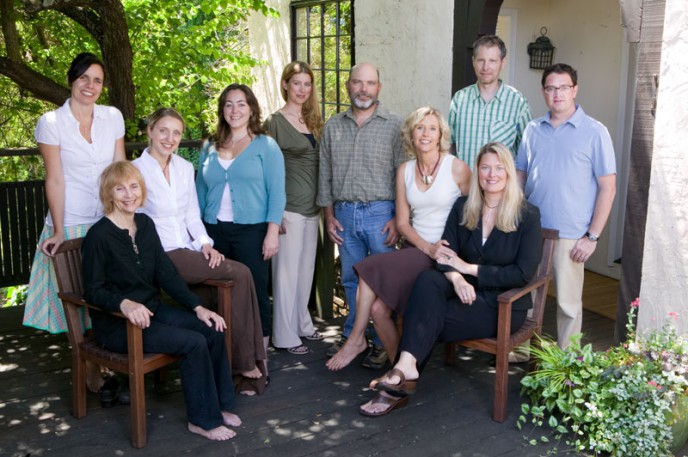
(9, 30)
(36, 6)
(40, 86)
(87, 19)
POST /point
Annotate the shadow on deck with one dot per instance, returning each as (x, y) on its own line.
(306, 411)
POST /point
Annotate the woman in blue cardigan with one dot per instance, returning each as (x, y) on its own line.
(240, 186)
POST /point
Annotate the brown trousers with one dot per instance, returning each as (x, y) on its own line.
(247, 334)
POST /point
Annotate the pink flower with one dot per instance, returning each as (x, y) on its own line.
(655, 385)
(673, 314)
(635, 303)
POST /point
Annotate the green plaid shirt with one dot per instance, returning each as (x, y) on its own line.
(474, 123)
(358, 164)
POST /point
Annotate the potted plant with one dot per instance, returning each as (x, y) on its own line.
(627, 401)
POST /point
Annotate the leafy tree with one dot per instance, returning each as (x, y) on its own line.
(157, 52)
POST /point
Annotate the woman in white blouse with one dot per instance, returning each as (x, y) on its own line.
(173, 206)
(77, 141)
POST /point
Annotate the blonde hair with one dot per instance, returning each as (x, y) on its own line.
(310, 110)
(513, 201)
(159, 114)
(415, 118)
(117, 173)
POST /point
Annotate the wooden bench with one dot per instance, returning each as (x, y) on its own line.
(135, 363)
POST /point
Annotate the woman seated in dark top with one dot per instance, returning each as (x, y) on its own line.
(496, 238)
(124, 267)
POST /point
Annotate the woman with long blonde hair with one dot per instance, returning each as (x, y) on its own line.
(296, 127)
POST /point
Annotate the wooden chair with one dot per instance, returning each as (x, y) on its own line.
(135, 363)
(505, 341)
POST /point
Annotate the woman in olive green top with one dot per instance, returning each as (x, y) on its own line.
(296, 127)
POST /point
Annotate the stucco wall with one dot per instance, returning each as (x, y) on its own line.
(411, 43)
(664, 285)
(269, 41)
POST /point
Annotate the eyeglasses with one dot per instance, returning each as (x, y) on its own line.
(549, 90)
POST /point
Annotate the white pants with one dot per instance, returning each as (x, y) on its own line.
(292, 278)
(568, 277)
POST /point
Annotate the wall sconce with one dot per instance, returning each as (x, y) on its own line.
(541, 51)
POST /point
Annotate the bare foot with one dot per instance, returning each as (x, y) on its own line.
(346, 354)
(220, 433)
(94, 379)
(253, 374)
(230, 420)
(248, 393)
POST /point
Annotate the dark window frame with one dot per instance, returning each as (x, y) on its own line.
(339, 103)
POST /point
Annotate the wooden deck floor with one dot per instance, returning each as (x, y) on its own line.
(306, 411)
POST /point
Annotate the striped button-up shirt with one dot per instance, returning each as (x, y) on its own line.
(358, 164)
(474, 123)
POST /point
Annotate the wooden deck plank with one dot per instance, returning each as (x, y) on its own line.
(306, 411)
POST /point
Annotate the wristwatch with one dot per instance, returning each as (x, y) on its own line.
(591, 237)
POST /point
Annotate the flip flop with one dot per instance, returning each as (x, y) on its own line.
(392, 402)
(402, 387)
(298, 350)
(317, 336)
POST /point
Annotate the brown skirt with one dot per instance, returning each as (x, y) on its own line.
(391, 275)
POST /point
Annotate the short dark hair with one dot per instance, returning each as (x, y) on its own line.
(488, 41)
(80, 64)
(560, 68)
(255, 125)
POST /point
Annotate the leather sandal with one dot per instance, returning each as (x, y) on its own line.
(317, 336)
(298, 350)
(392, 402)
(402, 387)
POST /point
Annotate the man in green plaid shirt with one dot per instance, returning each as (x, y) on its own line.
(488, 110)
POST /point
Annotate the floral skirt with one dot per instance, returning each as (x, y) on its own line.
(43, 307)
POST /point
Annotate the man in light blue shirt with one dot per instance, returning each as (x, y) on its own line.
(566, 161)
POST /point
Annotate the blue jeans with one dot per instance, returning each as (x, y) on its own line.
(362, 236)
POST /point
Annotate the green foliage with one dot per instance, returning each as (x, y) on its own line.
(13, 296)
(618, 401)
(185, 52)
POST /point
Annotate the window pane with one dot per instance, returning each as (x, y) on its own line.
(302, 50)
(316, 57)
(345, 52)
(330, 110)
(343, 94)
(314, 19)
(330, 18)
(345, 18)
(330, 53)
(301, 22)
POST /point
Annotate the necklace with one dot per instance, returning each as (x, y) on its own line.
(427, 179)
(491, 207)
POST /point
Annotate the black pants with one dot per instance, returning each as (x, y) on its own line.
(435, 313)
(244, 243)
(204, 368)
